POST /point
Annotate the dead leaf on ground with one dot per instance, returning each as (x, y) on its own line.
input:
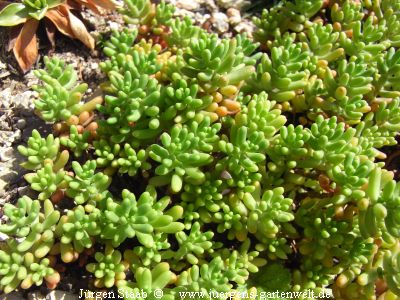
(80, 31)
(13, 34)
(25, 48)
(59, 17)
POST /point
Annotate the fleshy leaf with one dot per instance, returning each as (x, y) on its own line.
(25, 48)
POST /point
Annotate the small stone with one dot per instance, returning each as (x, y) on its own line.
(3, 186)
(5, 98)
(94, 66)
(24, 100)
(6, 154)
(238, 4)
(21, 124)
(245, 28)
(233, 16)
(61, 295)
(187, 4)
(211, 6)
(3, 237)
(220, 22)
(113, 25)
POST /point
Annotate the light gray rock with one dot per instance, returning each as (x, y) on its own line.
(24, 100)
(94, 66)
(245, 27)
(233, 16)
(9, 137)
(21, 124)
(211, 6)
(238, 4)
(220, 22)
(6, 154)
(5, 97)
(113, 25)
(188, 4)
(3, 237)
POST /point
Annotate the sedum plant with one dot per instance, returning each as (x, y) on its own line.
(108, 268)
(221, 165)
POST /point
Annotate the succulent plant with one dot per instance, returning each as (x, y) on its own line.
(183, 151)
(108, 269)
(86, 185)
(59, 97)
(137, 218)
(46, 180)
(147, 281)
(193, 245)
(34, 229)
(76, 230)
(77, 142)
(148, 256)
(24, 270)
(205, 278)
(217, 166)
(39, 150)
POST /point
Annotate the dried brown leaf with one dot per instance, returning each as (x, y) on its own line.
(59, 17)
(105, 4)
(80, 31)
(91, 6)
(25, 48)
(98, 6)
(13, 34)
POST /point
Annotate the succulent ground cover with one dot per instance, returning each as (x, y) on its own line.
(219, 165)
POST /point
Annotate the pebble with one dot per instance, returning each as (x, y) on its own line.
(220, 22)
(238, 4)
(31, 78)
(113, 25)
(21, 124)
(94, 66)
(24, 100)
(245, 27)
(9, 137)
(211, 6)
(3, 185)
(6, 154)
(188, 4)
(3, 237)
(233, 16)
(5, 98)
